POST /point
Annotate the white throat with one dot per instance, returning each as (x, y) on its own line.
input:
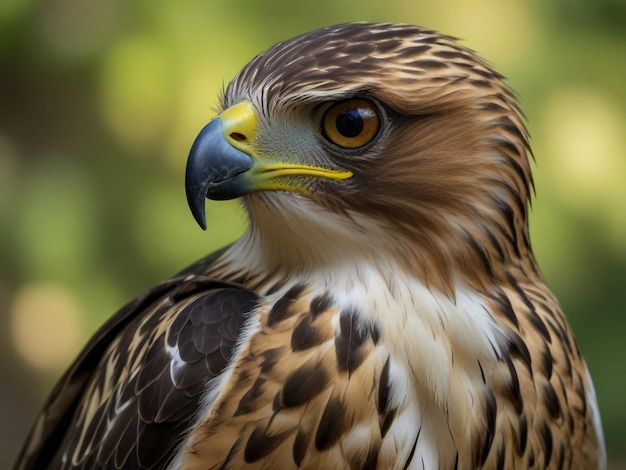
(439, 346)
(294, 233)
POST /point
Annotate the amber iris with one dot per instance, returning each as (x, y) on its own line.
(351, 124)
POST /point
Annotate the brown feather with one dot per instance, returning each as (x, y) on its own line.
(394, 319)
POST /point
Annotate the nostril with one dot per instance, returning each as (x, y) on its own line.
(237, 136)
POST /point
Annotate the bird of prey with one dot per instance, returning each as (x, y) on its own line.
(384, 309)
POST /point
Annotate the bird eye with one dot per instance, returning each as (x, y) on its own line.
(351, 124)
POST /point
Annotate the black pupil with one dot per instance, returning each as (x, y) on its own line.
(349, 123)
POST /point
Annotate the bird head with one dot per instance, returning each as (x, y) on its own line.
(396, 136)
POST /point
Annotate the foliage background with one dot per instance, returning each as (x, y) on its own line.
(101, 99)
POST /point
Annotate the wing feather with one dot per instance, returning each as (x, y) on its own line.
(131, 395)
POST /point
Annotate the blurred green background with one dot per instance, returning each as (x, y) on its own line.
(101, 99)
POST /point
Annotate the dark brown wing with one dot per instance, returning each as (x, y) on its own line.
(129, 398)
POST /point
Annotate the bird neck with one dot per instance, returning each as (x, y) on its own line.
(415, 320)
(294, 235)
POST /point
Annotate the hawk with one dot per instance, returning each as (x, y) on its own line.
(384, 309)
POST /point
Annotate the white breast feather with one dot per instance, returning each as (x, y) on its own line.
(423, 331)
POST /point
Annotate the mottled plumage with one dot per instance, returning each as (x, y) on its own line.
(384, 310)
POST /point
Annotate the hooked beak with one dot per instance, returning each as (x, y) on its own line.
(212, 168)
(223, 163)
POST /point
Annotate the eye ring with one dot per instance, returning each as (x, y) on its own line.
(351, 124)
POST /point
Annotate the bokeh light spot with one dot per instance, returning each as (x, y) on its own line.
(45, 326)
(585, 141)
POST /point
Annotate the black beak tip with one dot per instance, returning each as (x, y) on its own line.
(196, 204)
(197, 173)
(201, 222)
